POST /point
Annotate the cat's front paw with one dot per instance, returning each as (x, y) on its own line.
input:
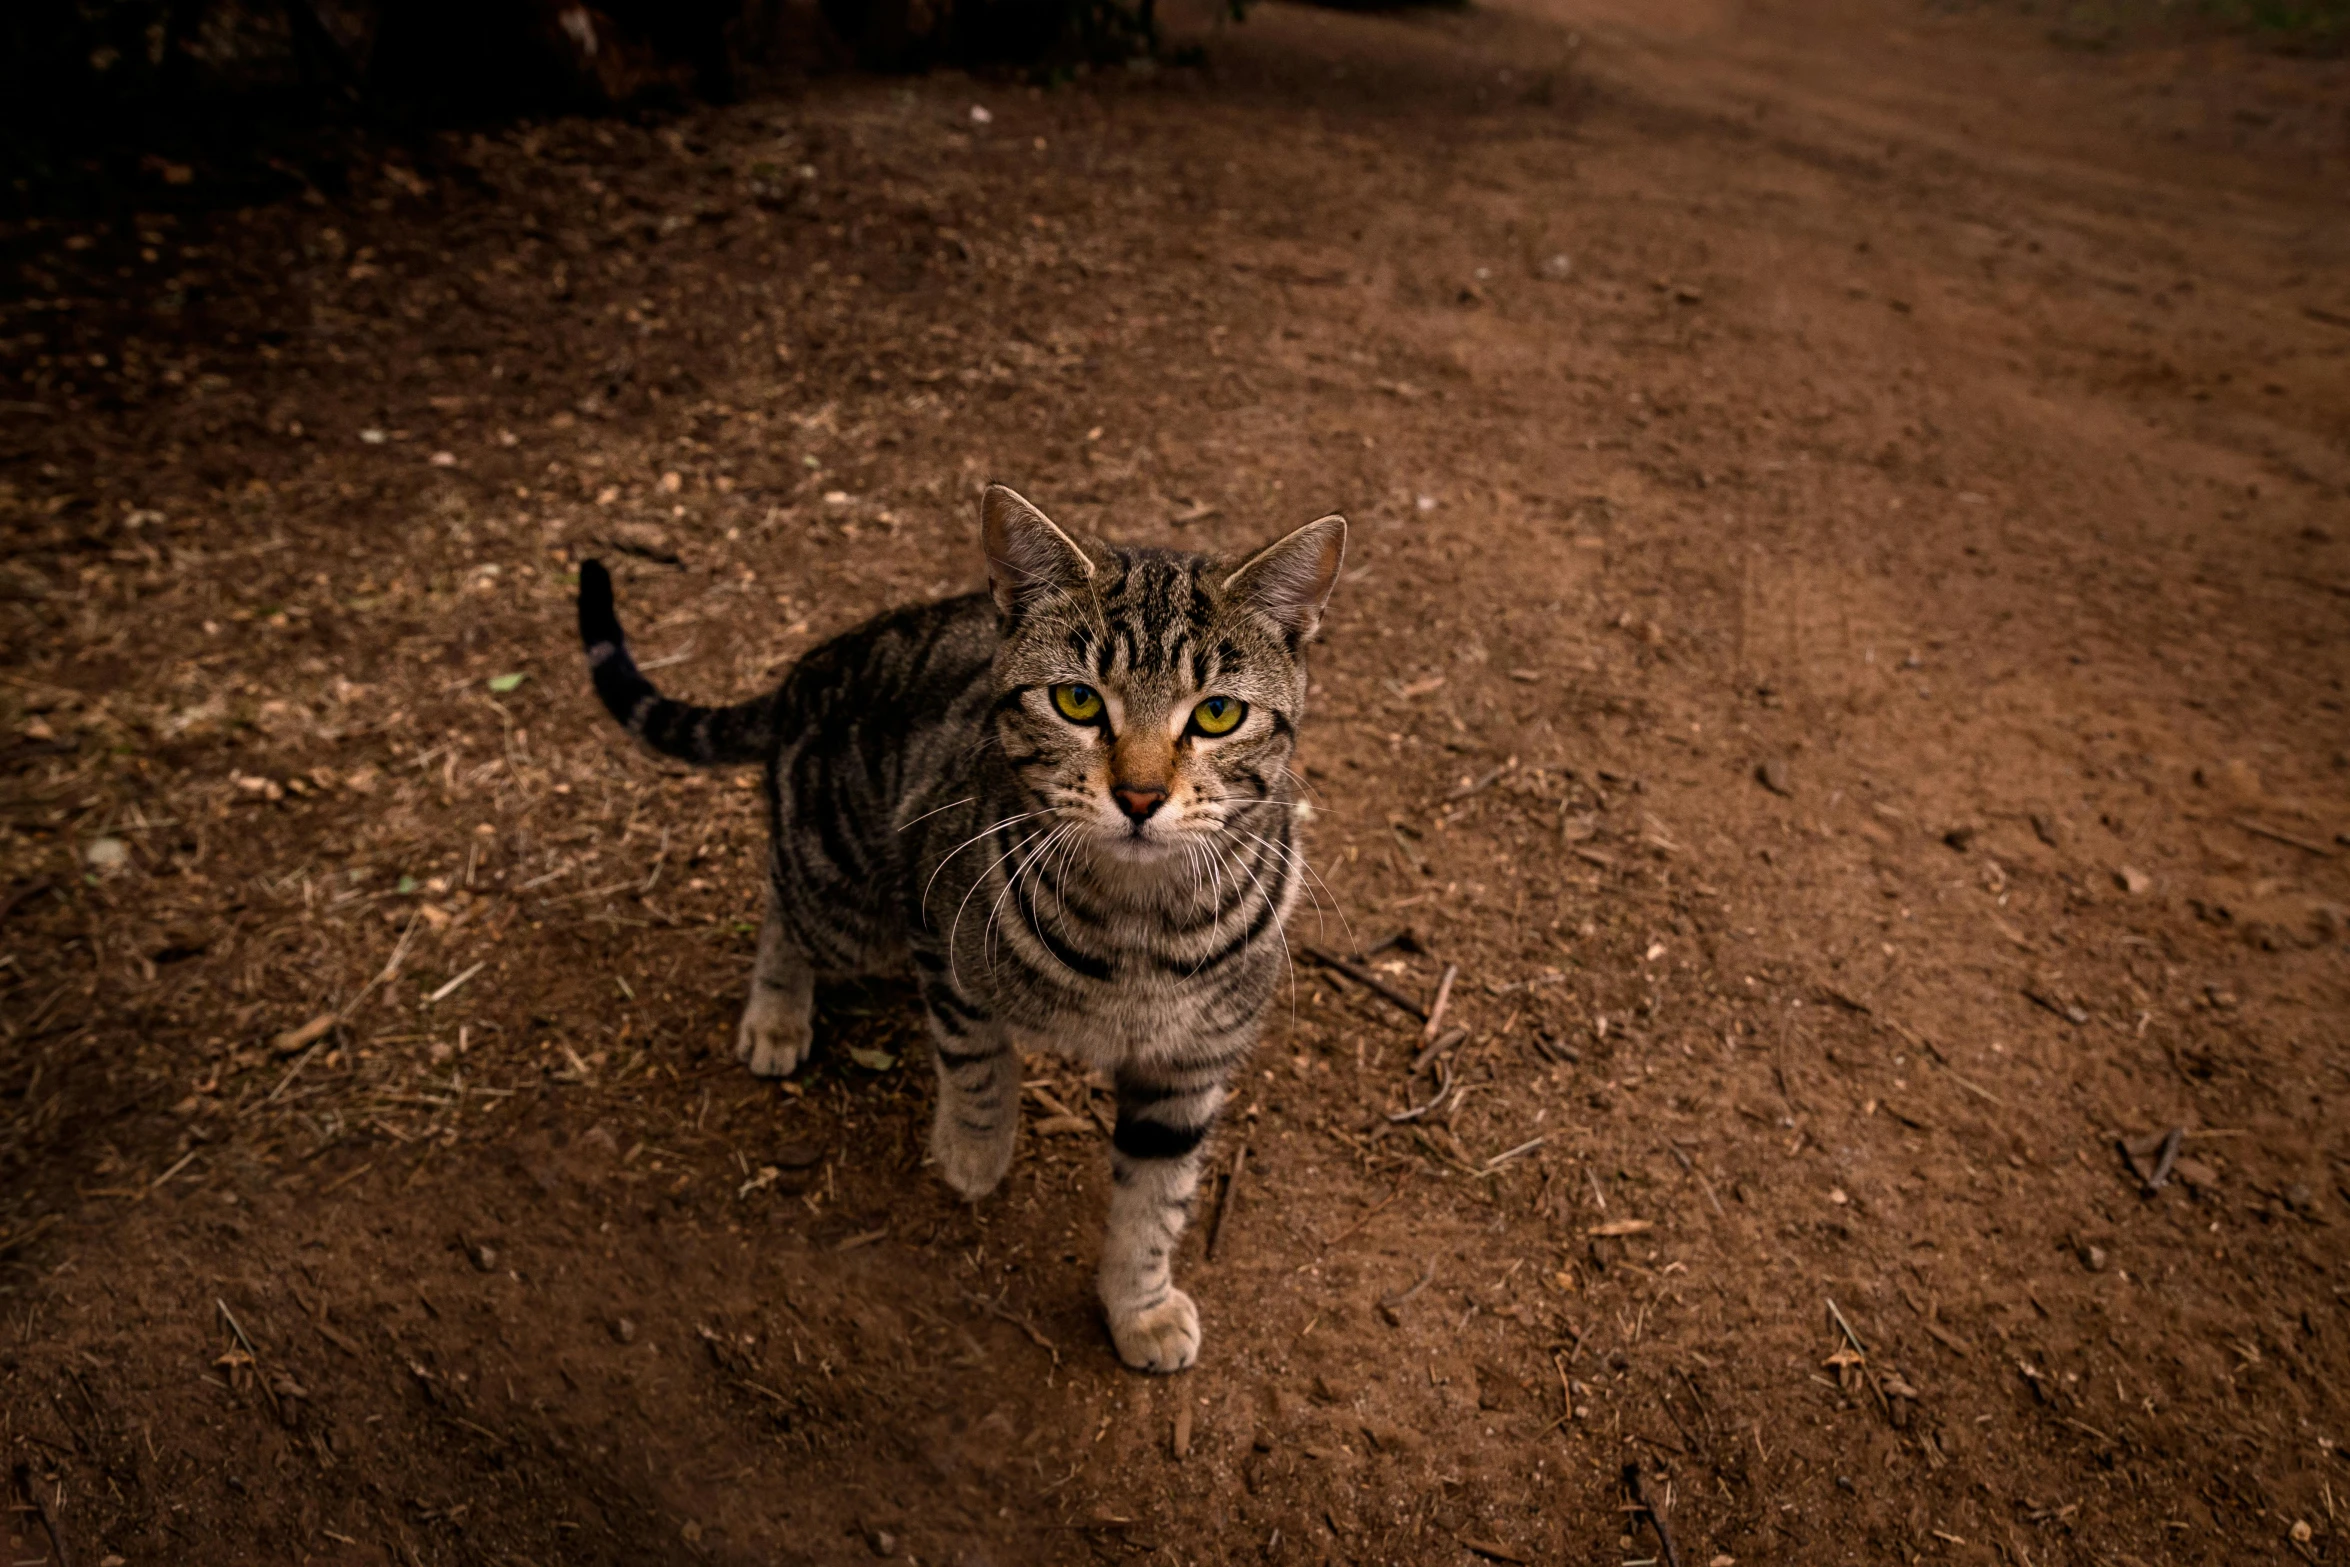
(1161, 1338)
(772, 1041)
(973, 1160)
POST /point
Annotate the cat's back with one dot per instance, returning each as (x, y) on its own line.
(877, 721)
(912, 664)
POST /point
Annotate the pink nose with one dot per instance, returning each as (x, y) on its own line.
(1138, 800)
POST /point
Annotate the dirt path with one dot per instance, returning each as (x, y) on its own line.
(1844, 648)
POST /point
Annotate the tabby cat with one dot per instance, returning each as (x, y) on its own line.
(1066, 804)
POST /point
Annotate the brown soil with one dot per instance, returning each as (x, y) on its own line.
(1946, 427)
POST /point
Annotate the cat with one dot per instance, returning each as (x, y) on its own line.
(1066, 806)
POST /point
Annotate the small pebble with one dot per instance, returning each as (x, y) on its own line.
(624, 1330)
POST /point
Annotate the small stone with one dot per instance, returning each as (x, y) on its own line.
(1774, 776)
(1557, 268)
(1837, 1196)
(624, 1330)
(2236, 779)
(883, 1542)
(2132, 880)
(2301, 1531)
(2094, 1258)
(107, 854)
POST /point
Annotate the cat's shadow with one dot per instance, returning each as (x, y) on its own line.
(882, 1013)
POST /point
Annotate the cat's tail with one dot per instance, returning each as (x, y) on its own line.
(708, 736)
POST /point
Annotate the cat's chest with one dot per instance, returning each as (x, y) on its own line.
(1147, 1005)
(1132, 1015)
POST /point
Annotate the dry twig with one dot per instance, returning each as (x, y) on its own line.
(997, 1310)
(1224, 1203)
(1451, 1038)
(32, 1488)
(2286, 838)
(1365, 978)
(1634, 1484)
(1452, 971)
(1390, 1302)
(259, 1376)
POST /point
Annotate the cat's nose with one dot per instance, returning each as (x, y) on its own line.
(1138, 800)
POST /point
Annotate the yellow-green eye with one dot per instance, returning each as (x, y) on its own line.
(1218, 715)
(1078, 704)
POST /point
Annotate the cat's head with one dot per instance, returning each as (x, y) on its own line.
(1148, 696)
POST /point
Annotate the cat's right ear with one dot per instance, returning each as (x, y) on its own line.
(1026, 554)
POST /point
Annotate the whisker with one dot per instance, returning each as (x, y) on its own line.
(954, 958)
(1297, 860)
(1215, 870)
(1061, 881)
(927, 815)
(1288, 959)
(924, 902)
(996, 909)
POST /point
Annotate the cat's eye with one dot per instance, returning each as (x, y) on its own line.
(1078, 704)
(1218, 715)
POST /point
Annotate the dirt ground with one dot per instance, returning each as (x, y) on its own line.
(1843, 646)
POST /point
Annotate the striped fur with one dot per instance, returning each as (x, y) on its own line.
(932, 810)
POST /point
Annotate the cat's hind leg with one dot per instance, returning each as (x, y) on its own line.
(978, 1096)
(778, 1020)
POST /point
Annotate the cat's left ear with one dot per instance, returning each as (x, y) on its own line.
(1290, 580)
